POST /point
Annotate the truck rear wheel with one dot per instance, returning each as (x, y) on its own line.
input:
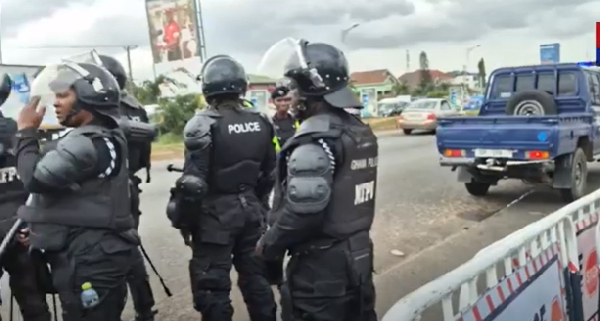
(477, 188)
(579, 173)
(407, 131)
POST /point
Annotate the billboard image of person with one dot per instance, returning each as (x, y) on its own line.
(173, 34)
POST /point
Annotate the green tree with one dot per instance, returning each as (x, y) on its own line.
(443, 87)
(176, 112)
(425, 81)
(481, 72)
(401, 88)
(149, 91)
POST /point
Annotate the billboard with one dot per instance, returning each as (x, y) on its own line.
(550, 54)
(173, 36)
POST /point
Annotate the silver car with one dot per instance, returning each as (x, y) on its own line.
(422, 114)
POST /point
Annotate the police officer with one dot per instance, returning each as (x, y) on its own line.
(285, 124)
(139, 157)
(324, 196)
(25, 272)
(78, 212)
(228, 158)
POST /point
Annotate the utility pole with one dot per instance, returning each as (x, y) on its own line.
(130, 82)
(407, 61)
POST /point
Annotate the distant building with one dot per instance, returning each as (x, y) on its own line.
(382, 81)
(413, 79)
(470, 80)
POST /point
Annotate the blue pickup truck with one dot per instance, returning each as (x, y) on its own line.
(540, 124)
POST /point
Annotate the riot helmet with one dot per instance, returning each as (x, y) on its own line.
(110, 63)
(223, 75)
(116, 69)
(319, 71)
(94, 87)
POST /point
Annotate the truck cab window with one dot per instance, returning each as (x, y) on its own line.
(546, 82)
(567, 84)
(524, 82)
(502, 87)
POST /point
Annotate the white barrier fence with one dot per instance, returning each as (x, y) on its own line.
(546, 271)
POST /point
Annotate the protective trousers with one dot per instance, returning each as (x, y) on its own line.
(101, 258)
(138, 279)
(226, 235)
(25, 283)
(331, 283)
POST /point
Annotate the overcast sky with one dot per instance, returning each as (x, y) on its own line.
(509, 31)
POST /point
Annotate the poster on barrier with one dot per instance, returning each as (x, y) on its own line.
(588, 265)
(534, 292)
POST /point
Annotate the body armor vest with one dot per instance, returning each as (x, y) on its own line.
(12, 192)
(99, 202)
(139, 153)
(240, 141)
(351, 207)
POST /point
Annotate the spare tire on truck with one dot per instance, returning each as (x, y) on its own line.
(531, 103)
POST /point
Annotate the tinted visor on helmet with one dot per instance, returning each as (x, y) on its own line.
(288, 58)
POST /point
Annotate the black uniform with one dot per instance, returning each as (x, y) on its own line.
(325, 199)
(25, 272)
(139, 158)
(79, 210)
(285, 127)
(227, 148)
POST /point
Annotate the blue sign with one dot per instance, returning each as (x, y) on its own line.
(453, 97)
(365, 102)
(550, 54)
(21, 86)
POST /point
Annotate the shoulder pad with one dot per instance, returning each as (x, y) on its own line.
(317, 124)
(209, 112)
(310, 177)
(74, 157)
(130, 100)
(197, 132)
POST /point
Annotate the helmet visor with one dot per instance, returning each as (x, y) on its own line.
(287, 58)
(55, 79)
(90, 57)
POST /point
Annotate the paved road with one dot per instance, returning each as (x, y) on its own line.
(421, 211)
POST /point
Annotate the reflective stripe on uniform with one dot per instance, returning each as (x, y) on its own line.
(276, 144)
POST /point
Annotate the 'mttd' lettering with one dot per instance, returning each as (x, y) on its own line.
(244, 128)
(8, 175)
(364, 192)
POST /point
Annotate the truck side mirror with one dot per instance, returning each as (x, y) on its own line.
(5, 88)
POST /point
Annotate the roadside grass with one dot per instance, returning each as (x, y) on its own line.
(170, 146)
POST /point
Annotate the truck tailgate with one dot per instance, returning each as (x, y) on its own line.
(519, 134)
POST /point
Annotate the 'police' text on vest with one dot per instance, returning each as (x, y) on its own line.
(244, 128)
(8, 175)
(364, 192)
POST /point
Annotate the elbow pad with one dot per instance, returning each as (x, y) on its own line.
(74, 158)
(310, 177)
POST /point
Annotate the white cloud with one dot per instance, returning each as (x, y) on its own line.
(244, 28)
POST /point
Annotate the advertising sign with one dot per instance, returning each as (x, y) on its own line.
(369, 102)
(22, 76)
(173, 36)
(550, 54)
(588, 258)
(453, 97)
(537, 299)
